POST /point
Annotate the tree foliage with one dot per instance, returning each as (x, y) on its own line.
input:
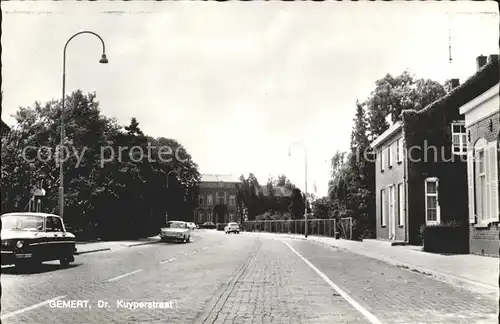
(108, 193)
(393, 94)
(257, 205)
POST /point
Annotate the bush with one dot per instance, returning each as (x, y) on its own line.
(449, 237)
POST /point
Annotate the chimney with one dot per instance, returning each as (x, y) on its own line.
(451, 84)
(480, 61)
(493, 57)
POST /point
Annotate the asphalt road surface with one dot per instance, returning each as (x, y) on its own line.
(239, 279)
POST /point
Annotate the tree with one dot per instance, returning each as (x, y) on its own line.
(392, 95)
(283, 181)
(323, 208)
(297, 204)
(107, 194)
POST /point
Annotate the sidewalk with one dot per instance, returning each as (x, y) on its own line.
(98, 246)
(472, 272)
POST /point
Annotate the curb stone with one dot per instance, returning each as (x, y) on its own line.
(144, 243)
(92, 251)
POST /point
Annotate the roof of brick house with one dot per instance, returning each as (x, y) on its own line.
(219, 178)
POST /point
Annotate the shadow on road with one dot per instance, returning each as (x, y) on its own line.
(37, 269)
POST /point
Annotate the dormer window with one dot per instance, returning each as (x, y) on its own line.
(459, 138)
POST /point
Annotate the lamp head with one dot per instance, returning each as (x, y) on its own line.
(104, 59)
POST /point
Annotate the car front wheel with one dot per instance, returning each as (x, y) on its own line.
(64, 262)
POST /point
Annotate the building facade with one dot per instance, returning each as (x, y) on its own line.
(482, 123)
(390, 184)
(427, 184)
(217, 199)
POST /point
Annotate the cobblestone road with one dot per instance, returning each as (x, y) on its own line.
(236, 279)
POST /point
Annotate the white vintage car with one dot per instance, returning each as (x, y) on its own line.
(176, 231)
(232, 228)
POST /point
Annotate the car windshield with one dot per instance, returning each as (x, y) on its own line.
(233, 224)
(177, 225)
(22, 222)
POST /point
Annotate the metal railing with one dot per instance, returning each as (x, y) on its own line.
(320, 227)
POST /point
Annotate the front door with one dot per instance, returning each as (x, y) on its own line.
(392, 213)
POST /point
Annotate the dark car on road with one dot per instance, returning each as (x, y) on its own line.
(209, 225)
(29, 239)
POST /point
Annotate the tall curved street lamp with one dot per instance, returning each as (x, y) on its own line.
(305, 165)
(103, 60)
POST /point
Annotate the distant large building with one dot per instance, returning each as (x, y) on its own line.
(217, 200)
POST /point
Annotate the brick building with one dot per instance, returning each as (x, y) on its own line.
(421, 163)
(483, 132)
(217, 190)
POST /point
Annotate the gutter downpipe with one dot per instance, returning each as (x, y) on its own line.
(405, 180)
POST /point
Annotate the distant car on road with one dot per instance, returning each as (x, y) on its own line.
(191, 226)
(29, 239)
(176, 231)
(208, 225)
(232, 228)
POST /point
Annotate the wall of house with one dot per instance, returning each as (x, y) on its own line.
(430, 132)
(485, 240)
(390, 176)
(213, 189)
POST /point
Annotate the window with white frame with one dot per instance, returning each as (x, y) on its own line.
(383, 209)
(232, 200)
(389, 155)
(397, 150)
(484, 182)
(382, 160)
(401, 204)
(200, 217)
(201, 201)
(210, 200)
(400, 150)
(459, 138)
(432, 212)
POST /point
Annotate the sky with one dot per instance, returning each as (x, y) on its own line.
(237, 83)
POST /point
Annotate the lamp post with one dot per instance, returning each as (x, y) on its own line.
(103, 60)
(305, 196)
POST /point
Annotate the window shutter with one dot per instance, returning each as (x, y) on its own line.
(470, 178)
(493, 178)
(487, 165)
